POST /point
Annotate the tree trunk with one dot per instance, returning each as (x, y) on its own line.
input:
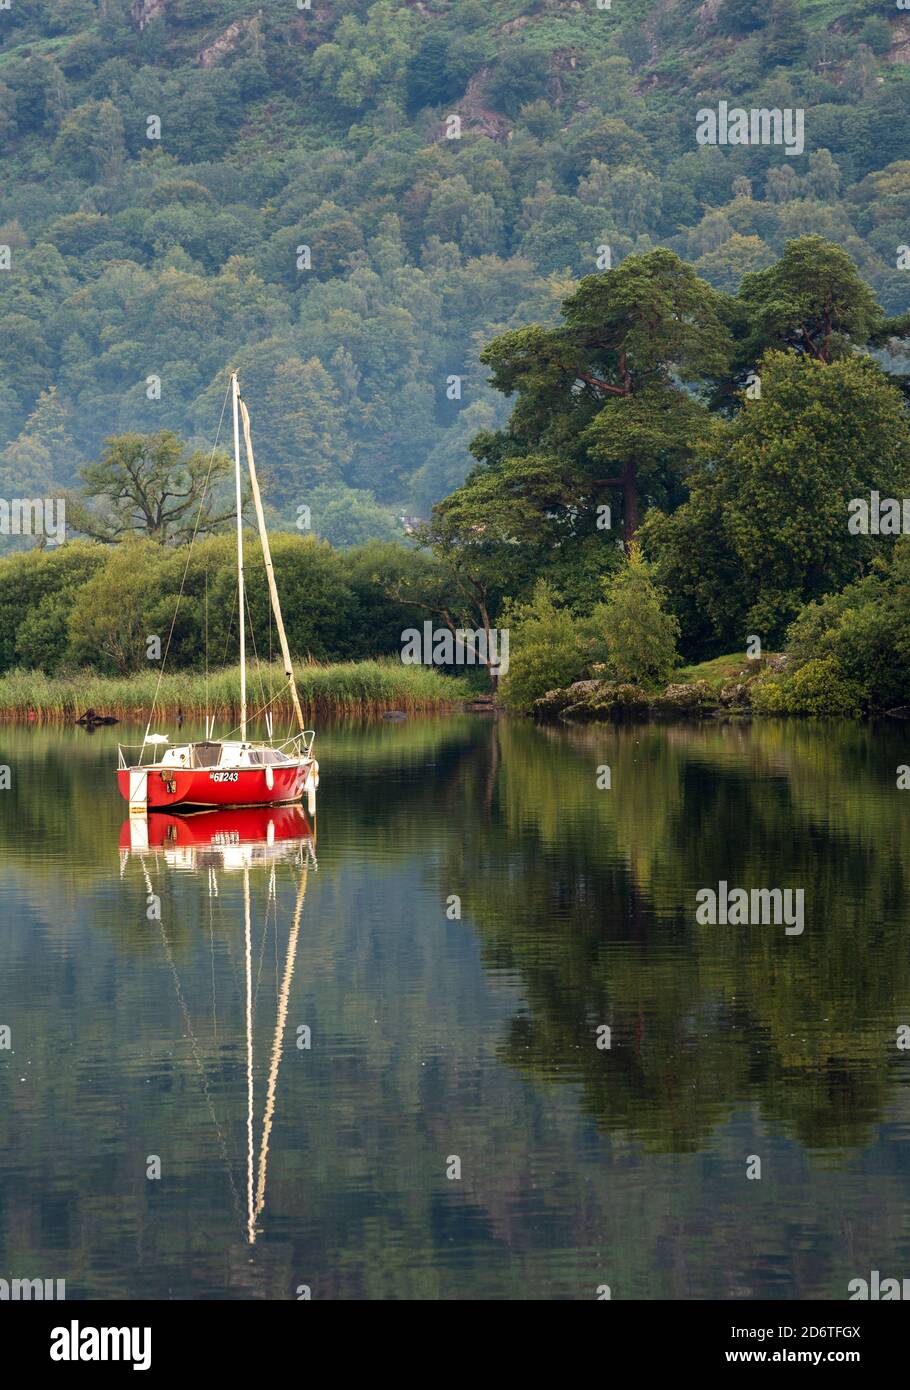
(630, 519)
(627, 482)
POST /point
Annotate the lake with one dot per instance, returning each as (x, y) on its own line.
(464, 1037)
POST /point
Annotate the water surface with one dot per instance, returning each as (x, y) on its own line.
(148, 1022)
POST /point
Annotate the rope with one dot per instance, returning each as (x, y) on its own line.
(249, 613)
(185, 569)
(257, 712)
(230, 627)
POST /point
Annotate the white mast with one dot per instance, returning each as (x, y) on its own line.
(270, 569)
(241, 600)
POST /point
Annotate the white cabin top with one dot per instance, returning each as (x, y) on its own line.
(225, 754)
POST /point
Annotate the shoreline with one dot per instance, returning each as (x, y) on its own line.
(360, 689)
(598, 701)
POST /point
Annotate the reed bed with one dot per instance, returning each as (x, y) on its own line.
(347, 688)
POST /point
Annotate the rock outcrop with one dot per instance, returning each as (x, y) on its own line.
(592, 700)
(144, 11)
(225, 43)
(611, 701)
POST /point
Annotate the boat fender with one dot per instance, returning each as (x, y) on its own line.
(269, 776)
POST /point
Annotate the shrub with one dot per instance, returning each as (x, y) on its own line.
(546, 648)
(819, 688)
(639, 635)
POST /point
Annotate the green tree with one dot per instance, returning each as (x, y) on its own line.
(91, 140)
(42, 453)
(727, 264)
(36, 589)
(812, 300)
(115, 612)
(150, 485)
(546, 647)
(346, 517)
(765, 528)
(637, 330)
(866, 629)
(304, 429)
(786, 35)
(638, 633)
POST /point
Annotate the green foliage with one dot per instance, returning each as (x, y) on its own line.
(866, 629)
(812, 300)
(598, 395)
(112, 613)
(346, 517)
(179, 257)
(89, 605)
(546, 647)
(638, 634)
(37, 588)
(764, 530)
(820, 688)
(150, 486)
(182, 258)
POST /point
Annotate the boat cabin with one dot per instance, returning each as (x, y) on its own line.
(218, 754)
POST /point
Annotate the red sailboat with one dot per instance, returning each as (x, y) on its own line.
(234, 771)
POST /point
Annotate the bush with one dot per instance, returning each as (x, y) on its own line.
(36, 593)
(866, 628)
(638, 634)
(819, 688)
(89, 605)
(546, 648)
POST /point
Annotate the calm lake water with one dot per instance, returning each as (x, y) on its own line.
(148, 1020)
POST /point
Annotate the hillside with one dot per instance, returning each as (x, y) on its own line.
(137, 260)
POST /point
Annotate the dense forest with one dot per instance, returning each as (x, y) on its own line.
(165, 161)
(484, 285)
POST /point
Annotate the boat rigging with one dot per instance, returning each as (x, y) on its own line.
(230, 771)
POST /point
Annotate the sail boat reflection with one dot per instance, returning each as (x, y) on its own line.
(243, 839)
(232, 839)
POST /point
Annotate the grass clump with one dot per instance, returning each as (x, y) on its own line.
(351, 687)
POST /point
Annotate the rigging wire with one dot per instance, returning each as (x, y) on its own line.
(256, 713)
(223, 1140)
(230, 626)
(185, 570)
(249, 615)
(207, 651)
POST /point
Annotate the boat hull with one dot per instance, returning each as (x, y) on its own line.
(202, 786)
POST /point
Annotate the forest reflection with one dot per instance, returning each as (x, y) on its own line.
(589, 895)
(587, 898)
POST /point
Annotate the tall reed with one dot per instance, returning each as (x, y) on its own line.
(355, 687)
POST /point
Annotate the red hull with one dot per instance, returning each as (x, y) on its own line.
(243, 786)
(246, 825)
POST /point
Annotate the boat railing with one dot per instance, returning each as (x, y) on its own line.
(140, 748)
(301, 744)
